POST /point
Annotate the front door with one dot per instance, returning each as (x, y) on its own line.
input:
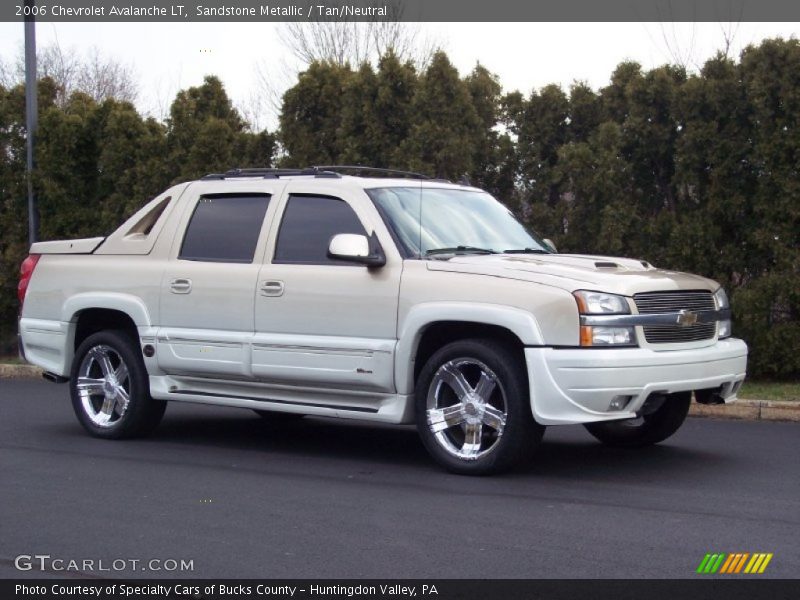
(322, 322)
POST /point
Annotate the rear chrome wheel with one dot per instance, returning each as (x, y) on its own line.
(472, 407)
(104, 385)
(110, 387)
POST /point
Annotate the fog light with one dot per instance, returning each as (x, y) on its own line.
(619, 402)
(724, 329)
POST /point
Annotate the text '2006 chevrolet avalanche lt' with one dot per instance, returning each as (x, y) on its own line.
(393, 299)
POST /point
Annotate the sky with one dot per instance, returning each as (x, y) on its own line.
(167, 57)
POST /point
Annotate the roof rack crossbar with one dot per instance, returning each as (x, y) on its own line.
(270, 173)
(376, 170)
(322, 171)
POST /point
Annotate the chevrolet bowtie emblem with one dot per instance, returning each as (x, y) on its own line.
(687, 318)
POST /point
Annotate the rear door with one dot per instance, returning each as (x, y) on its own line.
(207, 292)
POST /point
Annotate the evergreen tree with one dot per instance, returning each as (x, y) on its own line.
(359, 133)
(692, 172)
(444, 123)
(311, 115)
(205, 133)
(493, 156)
(396, 87)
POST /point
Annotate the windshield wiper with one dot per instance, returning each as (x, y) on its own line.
(525, 251)
(457, 249)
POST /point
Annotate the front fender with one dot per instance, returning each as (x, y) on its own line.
(519, 322)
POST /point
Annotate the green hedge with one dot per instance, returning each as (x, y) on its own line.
(697, 172)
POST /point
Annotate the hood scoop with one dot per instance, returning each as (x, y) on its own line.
(605, 264)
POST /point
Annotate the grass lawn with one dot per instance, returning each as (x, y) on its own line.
(768, 390)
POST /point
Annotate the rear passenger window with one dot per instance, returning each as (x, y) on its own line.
(225, 228)
(309, 223)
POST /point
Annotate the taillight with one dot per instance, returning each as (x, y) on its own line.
(25, 273)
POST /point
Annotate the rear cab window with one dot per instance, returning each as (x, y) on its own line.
(224, 228)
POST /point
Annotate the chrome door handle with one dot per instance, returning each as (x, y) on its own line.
(272, 288)
(180, 286)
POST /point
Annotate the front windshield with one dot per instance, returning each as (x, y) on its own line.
(428, 221)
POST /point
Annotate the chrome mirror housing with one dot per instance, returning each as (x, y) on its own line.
(357, 248)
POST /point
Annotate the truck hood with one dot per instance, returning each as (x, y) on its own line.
(575, 272)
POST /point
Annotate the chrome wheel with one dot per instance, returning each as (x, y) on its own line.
(104, 386)
(466, 408)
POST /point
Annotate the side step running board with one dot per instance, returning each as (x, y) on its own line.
(52, 377)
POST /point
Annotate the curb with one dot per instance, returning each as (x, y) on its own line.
(20, 372)
(749, 410)
(743, 410)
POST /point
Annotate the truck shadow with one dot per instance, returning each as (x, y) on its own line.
(565, 452)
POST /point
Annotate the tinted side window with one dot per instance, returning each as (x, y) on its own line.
(225, 228)
(309, 223)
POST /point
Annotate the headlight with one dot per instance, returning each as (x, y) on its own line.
(724, 327)
(599, 303)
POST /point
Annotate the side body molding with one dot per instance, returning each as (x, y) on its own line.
(411, 327)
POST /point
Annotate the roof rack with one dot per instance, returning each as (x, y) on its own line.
(271, 173)
(332, 171)
(356, 169)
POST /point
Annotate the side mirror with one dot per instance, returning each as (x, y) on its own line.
(357, 248)
(549, 243)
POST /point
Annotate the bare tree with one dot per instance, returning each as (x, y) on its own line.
(353, 42)
(682, 47)
(103, 78)
(98, 76)
(61, 67)
(256, 110)
(163, 93)
(681, 51)
(272, 79)
(729, 32)
(6, 74)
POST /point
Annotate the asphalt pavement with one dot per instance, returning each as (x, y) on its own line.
(242, 497)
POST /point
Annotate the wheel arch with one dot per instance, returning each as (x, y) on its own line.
(89, 313)
(428, 327)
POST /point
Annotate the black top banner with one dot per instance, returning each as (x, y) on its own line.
(401, 10)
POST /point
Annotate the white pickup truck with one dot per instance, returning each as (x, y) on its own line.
(389, 298)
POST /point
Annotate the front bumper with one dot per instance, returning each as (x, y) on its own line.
(570, 386)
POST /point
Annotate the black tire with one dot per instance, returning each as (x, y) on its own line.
(277, 416)
(649, 428)
(495, 453)
(140, 414)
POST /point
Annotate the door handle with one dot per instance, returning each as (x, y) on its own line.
(180, 286)
(272, 288)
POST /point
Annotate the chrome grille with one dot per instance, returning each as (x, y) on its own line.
(673, 302)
